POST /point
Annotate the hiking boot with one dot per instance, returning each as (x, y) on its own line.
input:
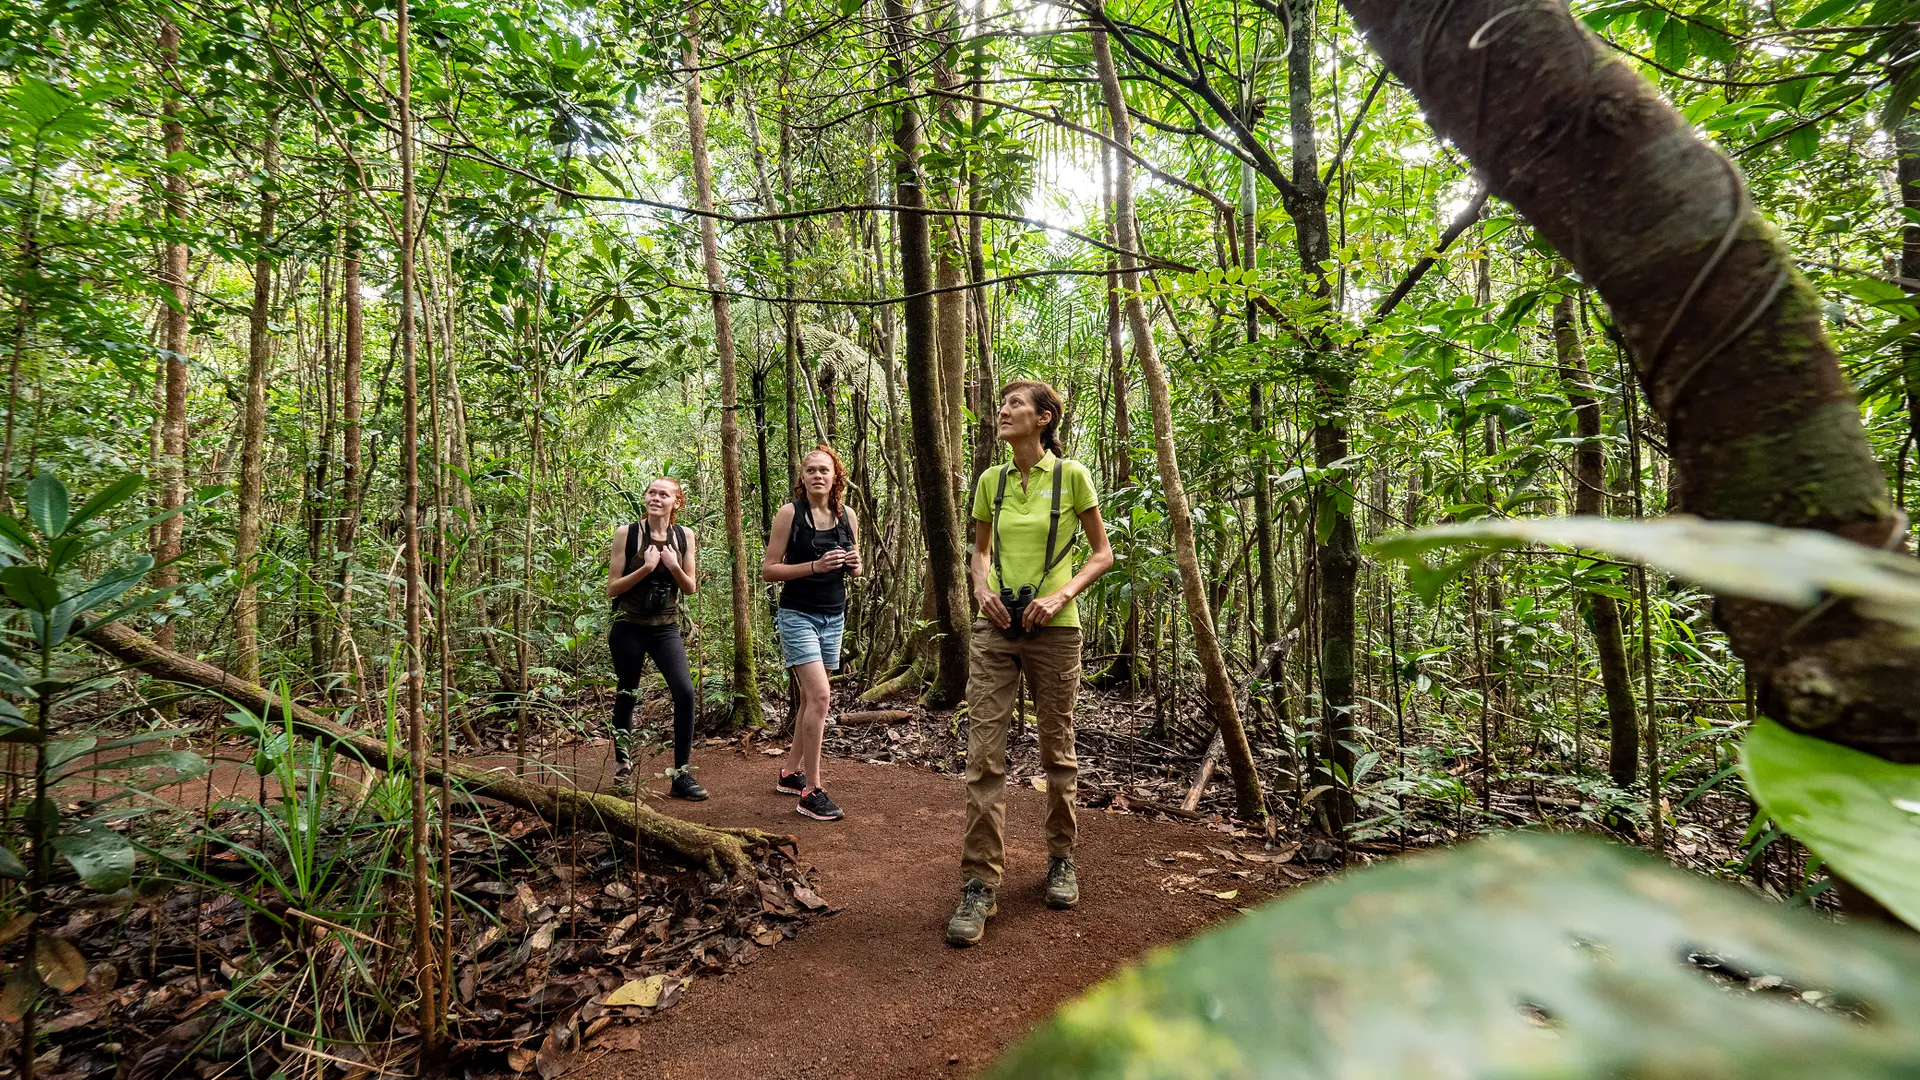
(686, 787)
(791, 783)
(1063, 885)
(969, 922)
(816, 805)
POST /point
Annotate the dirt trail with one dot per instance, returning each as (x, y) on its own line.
(872, 991)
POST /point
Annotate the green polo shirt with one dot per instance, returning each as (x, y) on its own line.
(1024, 518)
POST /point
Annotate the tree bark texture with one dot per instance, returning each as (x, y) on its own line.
(1726, 336)
(1589, 497)
(1213, 665)
(940, 522)
(352, 349)
(173, 423)
(253, 422)
(746, 687)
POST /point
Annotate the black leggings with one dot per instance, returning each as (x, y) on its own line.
(631, 645)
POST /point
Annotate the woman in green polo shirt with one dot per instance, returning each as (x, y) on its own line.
(1025, 512)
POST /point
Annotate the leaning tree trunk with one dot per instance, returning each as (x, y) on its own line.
(629, 821)
(940, 521)
(1727, 338)
(746, 689)
(1589, 497)
(1213, 665)
(253, 424)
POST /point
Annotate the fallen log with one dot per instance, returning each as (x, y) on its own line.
(870, 717)
(725, 851)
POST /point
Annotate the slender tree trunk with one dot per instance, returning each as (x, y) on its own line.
(1727, 338)
(352, 346)
(1257, 420)
(1589, 497)
(1906, 135)
(1125, 665)
(1336, 553)
(426, 965)
(760, 450)
(746, 690)
(940, 522)
(173, 423)
(253, 424)
(1219, 689)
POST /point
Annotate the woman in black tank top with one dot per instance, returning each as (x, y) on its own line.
(812, 546)
(653, 562)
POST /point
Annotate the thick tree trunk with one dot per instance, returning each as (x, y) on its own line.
(1589, 497)
(1219, 688)
(747, 710)
(1727, 338)
(940, 522)
(173, 423)
(253, 423)
(625, 820)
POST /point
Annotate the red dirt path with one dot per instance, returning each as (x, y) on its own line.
(872, 991)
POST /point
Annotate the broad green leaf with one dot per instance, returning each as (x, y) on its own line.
(1858, 812)
(103, 858)
(1804, 142)
(1525, 956)
(47, 504)
(59, 753)
(11, 866)
(1797, 567)
(109, 497)
(31, 588)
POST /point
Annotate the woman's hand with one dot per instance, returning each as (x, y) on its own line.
(853, 561)
(992, 609)
(831, 561)
(649, 560)
(1042, 609)
(669, 557)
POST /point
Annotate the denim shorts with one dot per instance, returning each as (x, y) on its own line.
(806, 637)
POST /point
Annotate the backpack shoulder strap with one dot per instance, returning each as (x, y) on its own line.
(634, 531)
(1053, 520)
(679, 534)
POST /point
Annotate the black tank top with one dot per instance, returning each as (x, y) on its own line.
(823, 593)
(654, 600)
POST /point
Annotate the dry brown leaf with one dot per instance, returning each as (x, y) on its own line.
(644, 993)
(1039, 783)
(543, 937)
(520, 1059)
(766, 935)
(69, 1021)
(808, 898)
(774, 751)
(628, 1038)
(558, 1050)
(59, 963)
(1230, 856)
(16, 926)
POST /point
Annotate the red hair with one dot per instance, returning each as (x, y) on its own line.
(679, 496)
(838, 490)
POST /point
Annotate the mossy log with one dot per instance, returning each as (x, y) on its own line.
(724, 850)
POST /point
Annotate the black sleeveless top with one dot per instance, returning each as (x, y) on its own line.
(654, 600)
(823, 593)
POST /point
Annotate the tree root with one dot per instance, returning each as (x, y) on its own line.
(908, 680)
(726, 851)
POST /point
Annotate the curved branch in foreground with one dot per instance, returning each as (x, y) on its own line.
(1726, 336)
(727, 851)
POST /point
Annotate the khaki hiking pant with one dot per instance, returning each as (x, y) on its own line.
(1050, 659)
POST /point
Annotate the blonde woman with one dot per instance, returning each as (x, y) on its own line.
(653, 563)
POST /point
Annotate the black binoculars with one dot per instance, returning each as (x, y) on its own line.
(1016, 605)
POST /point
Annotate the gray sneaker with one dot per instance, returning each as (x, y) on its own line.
(969, 922)
(1063, 885)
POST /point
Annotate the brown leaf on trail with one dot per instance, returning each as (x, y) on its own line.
(69, 1021)
(774, 751)
(559, 1050)
(203, 1001)
(520, 1059)
(773, 897)
(524, 894)
(16, 997)
(1295, 873)
(102, 976)
(59, 963)
(621, 927)
(627, 1038)
(542, 938)
(1230, 856)
(1228, 895)
(16, 926)
(808, 898)
(619, 890)
(765, 935)
(596, 1027)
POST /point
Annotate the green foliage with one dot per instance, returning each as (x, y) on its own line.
(1526, 955)
(1859, 813)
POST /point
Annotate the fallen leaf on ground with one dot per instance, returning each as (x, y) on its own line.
(765, 935)
(520, 1059)
(644, 993)
(627, 1038)
(808, 898)
(1039, 783)
(1228, 895)
(774, 751)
